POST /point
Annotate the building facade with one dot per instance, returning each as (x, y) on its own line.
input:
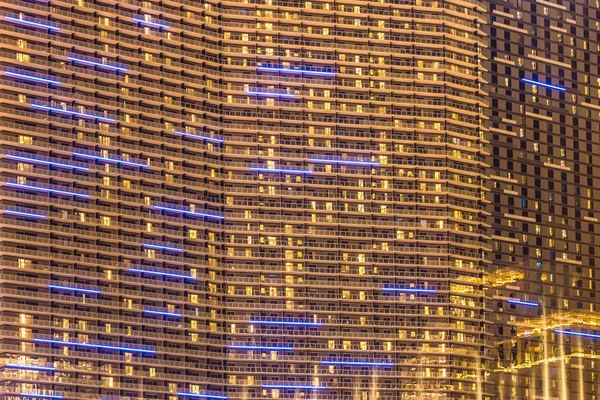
(239, 199)
(544, 119)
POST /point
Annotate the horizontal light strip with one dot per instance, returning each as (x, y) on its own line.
(547, 85)
(359, 363)
(46, 396)
(408, 290)
(99, 346)
(202, 396)
(320, 160)
(111, 160)
(155, 24)
(81, 60)
(590, 335)
(254, 321)
(308, 387)
(30, 77)
(155, 246)
(78, 114)
(74, 289)
(290, 171)
(194, 136)
(168, 274)
(42, 189)
(253, 347)
(24, 214)
(295, 71)
(269, 94)
(167, 314)
(189, 212)
(32, 23)
(523, 303)
(33, 367)
(44, 162)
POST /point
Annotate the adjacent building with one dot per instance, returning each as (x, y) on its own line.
(544, 119)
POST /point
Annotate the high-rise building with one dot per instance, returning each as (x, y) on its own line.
(544, 123)
(243, 200)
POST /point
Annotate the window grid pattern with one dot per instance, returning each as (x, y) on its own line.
(243, 200)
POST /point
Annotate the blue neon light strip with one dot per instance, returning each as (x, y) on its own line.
(194, 136)
(74, 289)
(254, 321)
(202, 396)
(98, 346)
(359, 363)
(523, 303)
(45, 396)
(590, 335)
(32, 23)
(111, 160)
(269, 94)
(41, 189)
(155, 246)
(30, 77)
(308, 387)
(44, 162)
(250, 347)
(167, 314)
(60, 110)
(24, 214)
(295, 71)
(157, 25)
(290, 171)
(320, 160)
(81, 60)
(189, 212)
(547, 85)
(408, 290)
(168, 274)
(33, 367)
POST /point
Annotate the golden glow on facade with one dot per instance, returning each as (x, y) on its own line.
(243, 200)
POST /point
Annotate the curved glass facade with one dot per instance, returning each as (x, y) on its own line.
(243, 200)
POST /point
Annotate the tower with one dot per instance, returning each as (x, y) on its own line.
(544, 112)
(243, 200)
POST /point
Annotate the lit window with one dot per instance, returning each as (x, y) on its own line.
(22, 57)
(25, 139)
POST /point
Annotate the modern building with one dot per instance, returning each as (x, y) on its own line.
(277, 200)
(243, 200)
(270, 199)
(544, 123)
